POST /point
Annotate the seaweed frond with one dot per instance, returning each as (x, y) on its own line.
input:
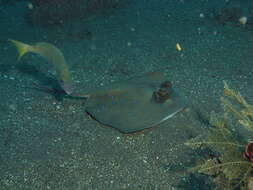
(228, 167)
(243, 115)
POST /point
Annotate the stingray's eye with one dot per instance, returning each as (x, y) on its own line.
(166, 84)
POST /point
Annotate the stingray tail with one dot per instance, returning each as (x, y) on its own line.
(78, 95)
(22, 48)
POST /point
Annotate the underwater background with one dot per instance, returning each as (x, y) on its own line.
(49, 142)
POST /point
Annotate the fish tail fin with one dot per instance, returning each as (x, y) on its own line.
(21, 47)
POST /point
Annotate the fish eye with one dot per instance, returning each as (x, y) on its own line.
(61, 81)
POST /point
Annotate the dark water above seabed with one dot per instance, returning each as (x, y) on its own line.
(48, 141)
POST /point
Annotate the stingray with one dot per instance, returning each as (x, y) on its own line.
(136, 104)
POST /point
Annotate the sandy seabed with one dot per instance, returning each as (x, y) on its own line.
(50, 143)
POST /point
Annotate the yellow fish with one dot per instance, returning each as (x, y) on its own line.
(53, 55)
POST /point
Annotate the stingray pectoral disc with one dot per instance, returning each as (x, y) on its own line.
(129, 106)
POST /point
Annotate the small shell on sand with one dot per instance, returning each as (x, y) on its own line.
(243, 20)
(178, 47)
(30, 6)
